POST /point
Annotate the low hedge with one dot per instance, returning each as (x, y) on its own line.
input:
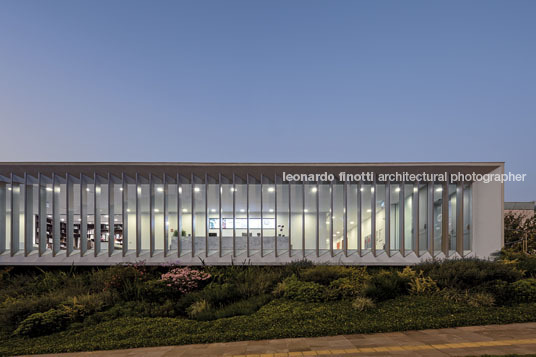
(277, 319)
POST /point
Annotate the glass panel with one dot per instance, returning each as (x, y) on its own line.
(240, 222)
(145, 219)
(199, 217)
(324, 216)
(76, 216)
(338, 217)
(213, 205)
(5, 190)
(366, 211)
(18, 217)
(185, 192)
(438, 217)
(380, 217)
(282, 218)
(310, 217)
(423, 218)
(409, 232)
(131, 212)
(452, 218)
(268, 214)
(90, 215)
(467, 218)
(351, 217)
(227, 216)
(297, 218)
(32, 210)
(171, 224)
(394, 217)
(102, 197)
(254, 216)
(158, 209)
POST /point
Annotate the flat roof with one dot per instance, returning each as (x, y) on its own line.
(239, 169)
(528, 206)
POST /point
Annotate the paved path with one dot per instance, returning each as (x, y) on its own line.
(461, 341)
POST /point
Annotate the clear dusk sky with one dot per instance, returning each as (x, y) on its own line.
(270, 81)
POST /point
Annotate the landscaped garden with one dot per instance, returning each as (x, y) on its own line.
(44, 310)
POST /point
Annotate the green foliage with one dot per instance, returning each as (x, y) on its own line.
(523, 262)
(242, 307)
(15, 310)
(344, 288)
(325, 274)
(43, 323)
(516, 228)
(469, 298)
(294, 289)
(525, 290)
(468, 273)
(277, 319)
(197, 308)
(387, 285)
(361, 303)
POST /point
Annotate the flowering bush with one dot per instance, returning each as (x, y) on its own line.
(184, 279)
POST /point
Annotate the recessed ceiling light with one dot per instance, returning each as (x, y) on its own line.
(271, 210)
(415, 189)
(361, 189)
(49, 188)
(327, 222)
(306, 210)
(128, 209)
(120, 188)
(338, 233)
(184, 210)
(197, 189)
(180, 189)
(271, 189)
(160, 189)
(242, 210)
(314, 189)
(9, 188)
(156, 210)
(372, 189)
(439, 189)
(397, 189)
(213, 210)
(369, 210)
(352, 222)
(87, 189)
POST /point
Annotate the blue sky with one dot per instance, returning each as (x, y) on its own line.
(270, 81)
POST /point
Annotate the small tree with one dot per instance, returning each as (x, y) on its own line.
(517, 229)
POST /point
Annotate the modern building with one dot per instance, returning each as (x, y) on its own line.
(215, 213)
(524, 209)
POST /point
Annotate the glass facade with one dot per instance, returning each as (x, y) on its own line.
(233, 217)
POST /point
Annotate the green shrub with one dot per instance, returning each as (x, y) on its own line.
(387, 285)
(294, 289)
(361, 303)
(501, 290)
(524, 290)
(325, 274)
(197, 308)
(242, 307)
(344, 288)
(466, 297)
(522, 261)
(44, 323)
(15, 310)
(468, 273)
(422, 285)
(158, 291)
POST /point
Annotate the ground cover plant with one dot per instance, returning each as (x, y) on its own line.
(49, 310)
